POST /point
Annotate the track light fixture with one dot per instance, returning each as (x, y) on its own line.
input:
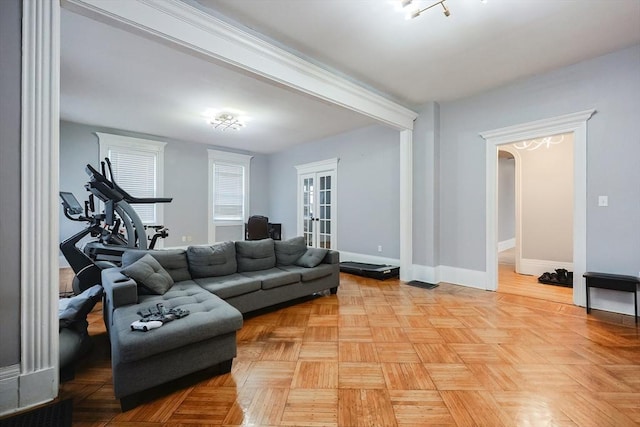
(418, 11)
(226, 121)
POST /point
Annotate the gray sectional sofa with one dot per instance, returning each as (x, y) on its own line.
(217, 284)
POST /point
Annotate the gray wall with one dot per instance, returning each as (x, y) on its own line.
(426, 232)
(10, 78)
(506, 199)
(186, 180)
(368, 188)
(546, 192)
(611, 85)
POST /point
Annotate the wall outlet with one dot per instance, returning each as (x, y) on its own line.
(379, 248)
(603, 201)
(184, 238)
(189, 238)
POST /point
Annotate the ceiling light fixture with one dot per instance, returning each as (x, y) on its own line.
(226, 121)
(418, 11)
(534, 144)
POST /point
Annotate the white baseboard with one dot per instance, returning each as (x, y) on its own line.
(536, 267)
(462, 276)
(424, 273)
(369, 259)
(506, 244)
(20, 392)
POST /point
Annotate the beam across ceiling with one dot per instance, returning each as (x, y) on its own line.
(178, 23)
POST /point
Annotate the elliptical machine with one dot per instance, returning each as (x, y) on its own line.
(106, 251)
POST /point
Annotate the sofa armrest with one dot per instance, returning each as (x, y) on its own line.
(119, 289)
(332, 257)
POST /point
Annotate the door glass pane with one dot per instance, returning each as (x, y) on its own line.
(328, 181)
(328, 212)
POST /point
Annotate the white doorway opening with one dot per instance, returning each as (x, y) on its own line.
(575, 123)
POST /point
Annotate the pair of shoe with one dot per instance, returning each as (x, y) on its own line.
(561, 275)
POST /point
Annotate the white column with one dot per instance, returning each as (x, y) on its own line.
(406, 204)
(38, 381)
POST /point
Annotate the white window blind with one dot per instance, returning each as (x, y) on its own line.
(228, 192)
(229, 177)
(135, 171)
(138, 168)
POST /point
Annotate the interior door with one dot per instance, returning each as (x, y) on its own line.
(318, 209)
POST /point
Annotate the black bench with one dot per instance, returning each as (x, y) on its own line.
(614, 282)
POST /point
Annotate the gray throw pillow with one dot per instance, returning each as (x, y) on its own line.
(211, 261)
(174, 261)
(253, 255)
(148, 272)
(312, 257)
(288, 251)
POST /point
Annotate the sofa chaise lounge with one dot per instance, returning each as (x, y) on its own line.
(217, 284)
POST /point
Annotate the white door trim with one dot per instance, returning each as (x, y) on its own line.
(576, 123)
(328, 166)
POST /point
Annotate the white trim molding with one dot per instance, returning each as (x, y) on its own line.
(453, 275)
(574, 122)
(506, 244)
(368, 259)
(38, 378)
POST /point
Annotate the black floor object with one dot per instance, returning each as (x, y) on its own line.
(423, 285)
(374, 271)
(55, 415)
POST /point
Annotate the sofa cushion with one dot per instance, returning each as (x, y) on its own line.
(308, 274)
(229, 286)
(172, 260)
(274, 277)
(209, 317)
(311, 258)
(288, 251)
(255, 255)
(211, 261)
(148, 273)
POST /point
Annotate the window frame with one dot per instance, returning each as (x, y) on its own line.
(108, 142)
(234, 159)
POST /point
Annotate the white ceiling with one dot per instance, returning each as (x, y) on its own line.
(113, 78)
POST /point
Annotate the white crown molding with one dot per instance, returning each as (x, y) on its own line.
(179, 23)
(320, 166)
(530, 130)
(38, 380)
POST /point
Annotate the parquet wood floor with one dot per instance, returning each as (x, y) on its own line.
(387, 354)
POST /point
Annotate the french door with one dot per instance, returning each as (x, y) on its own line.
(317, 207)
